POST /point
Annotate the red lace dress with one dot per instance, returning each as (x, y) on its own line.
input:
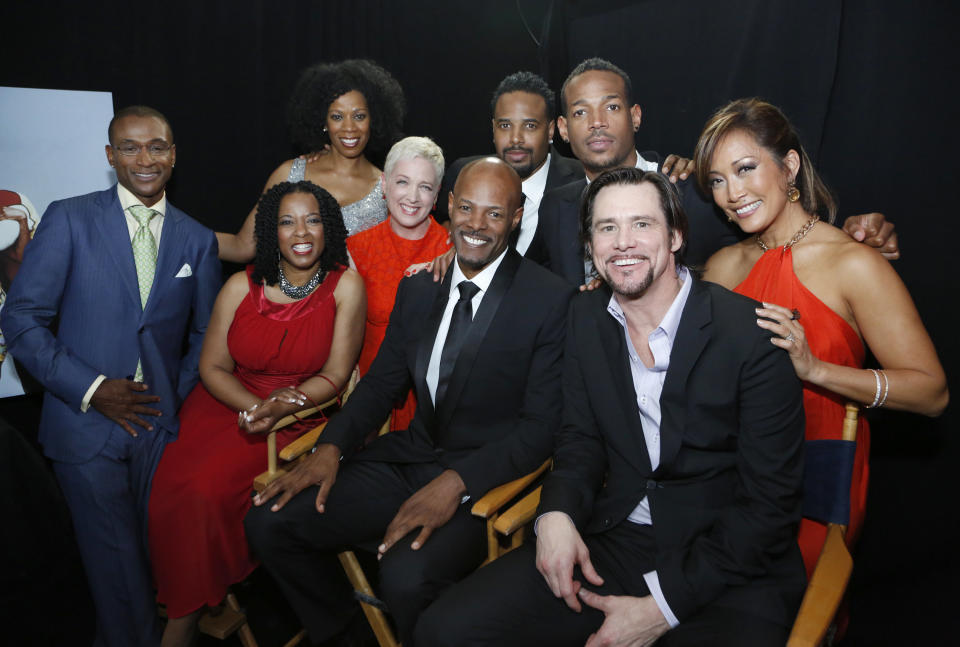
(202, 487)
(833, 340)
(380, 257)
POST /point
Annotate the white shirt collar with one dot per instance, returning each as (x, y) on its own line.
(534, 185)
(642, 164)
(481, 280)
(671, 320)
(127, 200)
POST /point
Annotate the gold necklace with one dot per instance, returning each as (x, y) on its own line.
(797, 237)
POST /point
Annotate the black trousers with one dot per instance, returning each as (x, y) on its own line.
(298, 546)
(508, 603)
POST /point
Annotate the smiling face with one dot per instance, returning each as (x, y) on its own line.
(411, 190)
(630, 242)
(599, 123)
(143, 174)
(300, 232)
(348, 124)
(522, 131)
(748, 183)
(484, 208)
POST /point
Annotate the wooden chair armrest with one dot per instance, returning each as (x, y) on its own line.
(824, 591)
(491, 502)
(286, 421)
(519, 514)
(302, 444)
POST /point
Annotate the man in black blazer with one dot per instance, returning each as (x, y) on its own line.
(673, 505)
(523, 107)
(599, 119)
(485, 414)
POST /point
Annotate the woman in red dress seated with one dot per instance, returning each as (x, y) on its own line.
(283, 335)
(411, 180)
(824, 294)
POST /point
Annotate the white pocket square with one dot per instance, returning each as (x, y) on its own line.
(184, 272)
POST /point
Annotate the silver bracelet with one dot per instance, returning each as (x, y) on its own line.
(886, 389)
(876, 397)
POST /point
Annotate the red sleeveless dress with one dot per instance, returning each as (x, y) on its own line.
(833, 340)
(380, 257)
(201, 490)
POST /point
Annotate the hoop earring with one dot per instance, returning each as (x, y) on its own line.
(793, 193)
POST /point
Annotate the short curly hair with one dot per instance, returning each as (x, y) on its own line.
(334, 254)
(321, 84)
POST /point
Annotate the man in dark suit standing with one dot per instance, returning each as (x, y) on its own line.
(599, 119)
(523, 108)
(131, 280)
(672, 509)
(483, 350)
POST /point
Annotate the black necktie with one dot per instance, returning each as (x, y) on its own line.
(456, 333)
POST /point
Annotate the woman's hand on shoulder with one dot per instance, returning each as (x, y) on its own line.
(315, 155)
(789, 335)
(874, 230)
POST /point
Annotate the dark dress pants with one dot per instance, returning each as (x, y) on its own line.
(508, 603)
(298, 546)
(107, 496)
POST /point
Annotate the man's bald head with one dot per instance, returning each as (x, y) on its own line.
(485, 205)
(493, 169)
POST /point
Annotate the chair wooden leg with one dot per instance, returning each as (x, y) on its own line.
(243, 633)
(493, 544)
(376, 617)
(296, 640)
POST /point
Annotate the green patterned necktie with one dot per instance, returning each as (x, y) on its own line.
(145, 258)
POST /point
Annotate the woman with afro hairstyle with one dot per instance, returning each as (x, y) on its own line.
(339, 112)
(284, 334)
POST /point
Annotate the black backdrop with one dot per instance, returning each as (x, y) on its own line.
(869, 84)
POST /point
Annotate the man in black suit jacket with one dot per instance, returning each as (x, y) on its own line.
(675, 493)
(484, 416)
(599, 119)
(523, 107)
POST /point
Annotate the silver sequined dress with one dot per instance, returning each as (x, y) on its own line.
(366, 212)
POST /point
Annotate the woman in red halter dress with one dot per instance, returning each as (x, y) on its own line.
(283, 335)
(823, 293)
(411, 180)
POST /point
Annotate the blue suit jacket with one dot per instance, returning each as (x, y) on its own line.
(78, 315)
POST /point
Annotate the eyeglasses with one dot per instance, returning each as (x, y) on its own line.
(153, 150)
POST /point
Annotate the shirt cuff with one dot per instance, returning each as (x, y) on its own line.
(85, 402)
(653, 583)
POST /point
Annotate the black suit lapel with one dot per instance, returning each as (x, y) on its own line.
(425, 347)
(478, 331)
(692, 336)
(514, 237)
(610, 335)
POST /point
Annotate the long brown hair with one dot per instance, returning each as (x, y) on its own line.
(772, 130)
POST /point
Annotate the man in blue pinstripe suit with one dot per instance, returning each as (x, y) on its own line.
(120, 285)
